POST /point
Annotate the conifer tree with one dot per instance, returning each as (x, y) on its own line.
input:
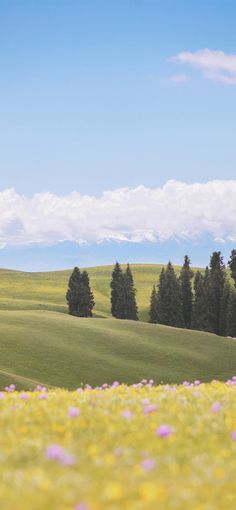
(169, 302)
(224, 309)
(186, 276)
(116, 285)
(162, 299)
(73, 292)
(153, 311)
(231, 314)
(79, 295)
(232, 265)
(129, 305)
(86, 301)
(200, 312)
(216, 287)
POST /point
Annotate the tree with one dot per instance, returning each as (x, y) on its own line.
(86, 302)
(216, 287)
(232, 265)
(224, 309)
(169, 304)
(186, 276)
(153, 311)
(200, 312)
(162, 299)
(79, 295)
(116, 291)
(130, 309)
(231, 314)
(73, 292)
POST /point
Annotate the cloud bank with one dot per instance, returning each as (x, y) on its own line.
(175, 211)
(215, 65)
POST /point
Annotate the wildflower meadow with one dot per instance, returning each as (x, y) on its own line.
(139, 447)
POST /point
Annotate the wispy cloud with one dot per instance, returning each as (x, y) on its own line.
(215, 65)
(175, 211)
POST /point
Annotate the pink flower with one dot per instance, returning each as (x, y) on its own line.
(164, 431)
(24, 396)
(73, 412)
(197, 393)
(10, 388)
(82, 506)
(43, 396)
(59, 454)
(150, 408)
(127, 414)
(216, 407)
(1, 396)
(233, 435)
(148, 464)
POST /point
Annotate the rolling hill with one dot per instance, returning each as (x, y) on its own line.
(46, 291)
(55, 349)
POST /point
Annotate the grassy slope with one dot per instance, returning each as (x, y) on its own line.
(56, 349)
(46, 291)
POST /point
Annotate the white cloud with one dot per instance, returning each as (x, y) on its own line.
(175, 211)
(215, 65)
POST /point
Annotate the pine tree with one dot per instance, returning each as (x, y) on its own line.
(86, 301)
(153, 311)
(129, 305)
(79, 295)
(162, 299)
(169, 304)
(216, 287)
(224, 309)
(116, 291)
(200, 312)
(232, 265)
(186, 276)
(72, 295)
(231, 314)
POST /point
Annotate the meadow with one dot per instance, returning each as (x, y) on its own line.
(46, 291)
(41, 344)
(140, 447)
(55, 349)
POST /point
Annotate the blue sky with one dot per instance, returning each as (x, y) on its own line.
(90, 101)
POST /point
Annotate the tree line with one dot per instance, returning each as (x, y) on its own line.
(203, 301)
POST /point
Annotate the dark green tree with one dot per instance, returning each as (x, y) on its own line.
(232, 265)
(224, 309)
(79, 295)
(216, 287)
(153, 310)
(170, 311)
(86, 301)
(117, 291)
(231, 314)
(72, 295)
(129, 305)
(186, 275)
(162, 299)
(200, 312)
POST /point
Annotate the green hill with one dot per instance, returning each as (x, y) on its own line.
(56, 349)
(46, 291)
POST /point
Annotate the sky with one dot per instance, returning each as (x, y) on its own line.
(117, 131)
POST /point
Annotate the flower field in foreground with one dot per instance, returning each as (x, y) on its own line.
(140, 447)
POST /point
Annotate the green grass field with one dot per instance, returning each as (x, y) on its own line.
(55, 349)
(39, 344)
(46, 291)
